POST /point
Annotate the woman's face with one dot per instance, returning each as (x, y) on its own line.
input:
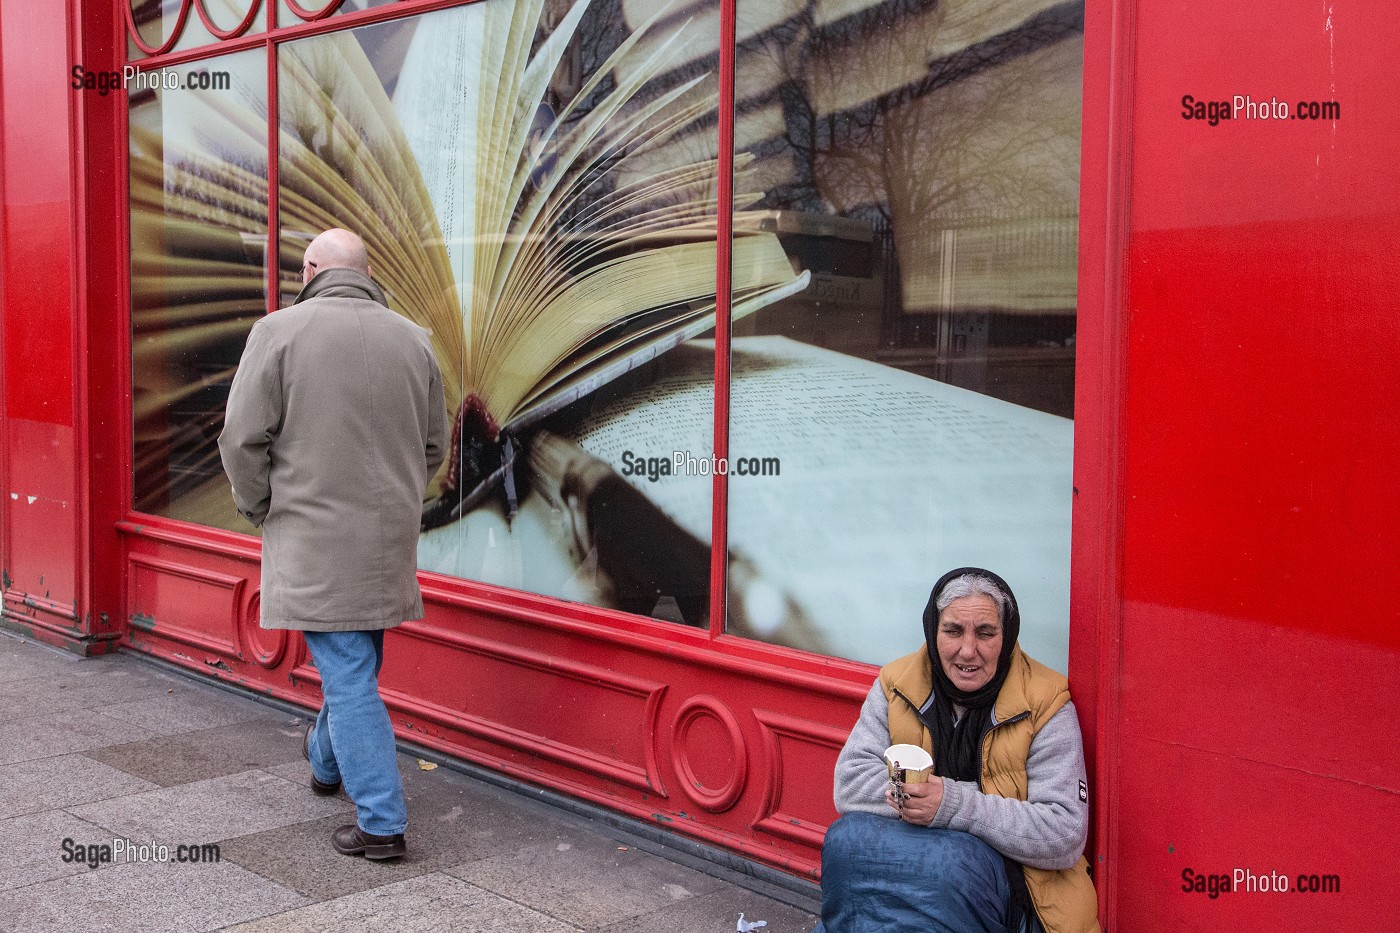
(969, 641)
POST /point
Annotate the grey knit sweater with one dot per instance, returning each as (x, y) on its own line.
(1046, 831)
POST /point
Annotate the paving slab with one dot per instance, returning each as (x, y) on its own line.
(300, 856)
(61, 781)
(207, 753)
(489, 820)
(150, 897)
(22, 660)
(213, 810)
(52, 734)
(86, 684)
(452, 819)
(82, 689)
(186, 708)
(590, 882)
(719, 911)
(432, 903)
(33, 850)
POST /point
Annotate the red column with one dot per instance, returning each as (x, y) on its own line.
(63, 437)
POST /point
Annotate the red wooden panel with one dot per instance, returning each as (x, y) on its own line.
(1215, 813)
(38, 257)
(1263, 505)
(186, 602)
(1266, 698)
(709, 753)
(40, 508)
(1246, 171)
(798, 750)
(1259, 645)
(540, 705)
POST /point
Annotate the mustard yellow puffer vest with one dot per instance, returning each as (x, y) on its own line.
(1032, 693)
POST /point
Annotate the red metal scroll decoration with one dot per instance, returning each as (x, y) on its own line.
(221, 34)
(204, 17)
(169, 43)
(312, 15)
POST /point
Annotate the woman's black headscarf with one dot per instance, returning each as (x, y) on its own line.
(957, 749)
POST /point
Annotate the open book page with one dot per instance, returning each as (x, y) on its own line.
(197, 164)
(344, 162)
(887, 480)
(532, 551)
(552, 239)
(610, 358)
(437, 97)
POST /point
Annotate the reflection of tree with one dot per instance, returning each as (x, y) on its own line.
(905, 153)
(934, 159)
(597, 38)
(952, 130)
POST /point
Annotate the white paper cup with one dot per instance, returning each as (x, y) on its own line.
(908, 764)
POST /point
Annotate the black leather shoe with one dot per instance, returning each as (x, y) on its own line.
(322, 790)
(352, 840)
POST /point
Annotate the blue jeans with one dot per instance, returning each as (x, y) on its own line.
(881, 874)
(353, 740)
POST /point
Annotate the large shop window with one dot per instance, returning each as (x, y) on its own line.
(538, 185)
(920, 161)
(536, 194)
(198, 189)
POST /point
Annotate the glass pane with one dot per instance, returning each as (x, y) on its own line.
(536, 185)
(198, 180)
(909, 411)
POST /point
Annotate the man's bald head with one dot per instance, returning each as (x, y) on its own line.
(334, 249)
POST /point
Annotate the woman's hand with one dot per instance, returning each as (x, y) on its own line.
(918, 803)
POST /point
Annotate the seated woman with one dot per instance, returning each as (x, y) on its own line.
(994, 841)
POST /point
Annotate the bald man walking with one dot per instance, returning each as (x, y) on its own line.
(335, 423)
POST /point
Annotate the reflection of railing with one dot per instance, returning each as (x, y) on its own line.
(892, 301)
(841, 253)
(985, 303)
(1014, 265)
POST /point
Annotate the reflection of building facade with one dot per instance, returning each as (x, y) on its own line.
(851, 228)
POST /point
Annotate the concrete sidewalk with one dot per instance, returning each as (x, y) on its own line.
(96, 750)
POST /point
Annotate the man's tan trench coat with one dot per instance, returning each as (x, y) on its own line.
(335, 423)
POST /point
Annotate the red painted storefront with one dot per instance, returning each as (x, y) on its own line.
(1235, 651)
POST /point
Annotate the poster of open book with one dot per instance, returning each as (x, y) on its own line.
(537, 184)
(884, 474)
